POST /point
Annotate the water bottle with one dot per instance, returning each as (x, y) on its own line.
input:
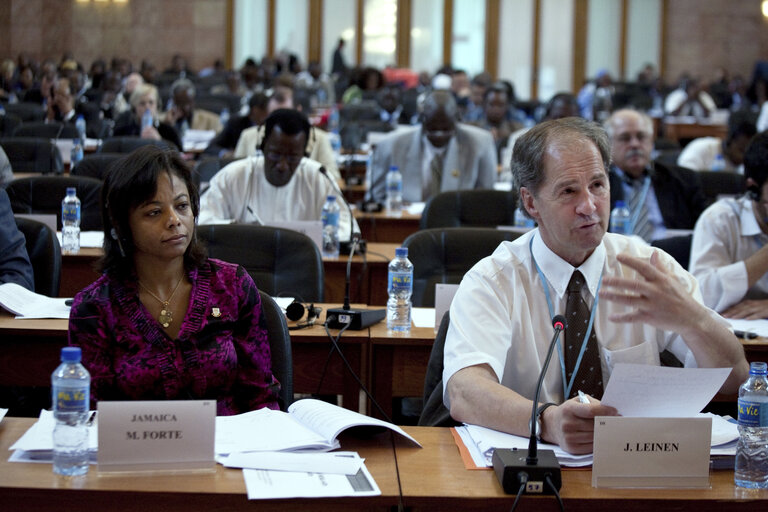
(522, 220)
(224, 116)
(751, 465)
(71, 385)
(76, 155)
(146, 119)
(70, 222)
(80, 125)
(718, 164)
(333, 119)
(400, 288)
(330, 218)
(620, 219)
(394, 205)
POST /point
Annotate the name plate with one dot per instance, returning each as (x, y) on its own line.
(312, 228)
(651, 452)
(156, 435)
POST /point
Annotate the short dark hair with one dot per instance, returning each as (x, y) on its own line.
(740, 124)
(530, 149)
(258, 100)
(290, 122)
(756, 159)
(131, 181)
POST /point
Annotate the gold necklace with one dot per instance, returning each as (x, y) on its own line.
(166, 315)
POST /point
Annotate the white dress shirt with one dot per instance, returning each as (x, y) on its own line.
(500, 316)
(700, 154)
(725, 235)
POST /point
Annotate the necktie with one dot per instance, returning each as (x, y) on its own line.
(637, 206)
(589, 375)
(436, 170)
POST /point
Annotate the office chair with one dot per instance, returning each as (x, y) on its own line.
(26, 111)
(95, 165)
(470, 208)
(679, 247)
(434, 412)
(8, 124)
(126, 144)
(43, 194)
(44, 254)
(717, 183)
(30, 154)
(280, 348)
(41, 129)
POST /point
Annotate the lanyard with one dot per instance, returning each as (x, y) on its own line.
(545, 285)
(641, 202)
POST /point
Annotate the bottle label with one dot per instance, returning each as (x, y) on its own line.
(70, 212)
(400, 282)
(331, 219)
(753, 414)
(71, 399)
(394, 186)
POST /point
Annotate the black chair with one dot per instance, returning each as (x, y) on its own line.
(208, 167)
(29, 154)
(26, 111)
(282, 262)
(679, 247)
(44, 254)
(717, 183)
(434, 412)
(43, 194)
(444, 255)
(280, 349)
(470, 208)
(95, 165)
(8, 124)
(45, 130)
(127, 144)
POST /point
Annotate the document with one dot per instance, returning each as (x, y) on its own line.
(26, 304)
(337, 463)
(758, 327)
(36, 445)
(288, 484)
(88, 238)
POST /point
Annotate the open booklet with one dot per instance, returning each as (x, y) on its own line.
(26, 304)
(308, 425)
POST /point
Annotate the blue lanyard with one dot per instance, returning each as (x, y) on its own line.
(545, 285)
(641, 202)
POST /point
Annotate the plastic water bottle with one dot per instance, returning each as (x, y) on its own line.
(224, 116)
(620, 219)
(330, 218)
(76, 155)
(751, 466)
(71, 384)
(70, 222)
(400, 288)
(147, 120)
(333, 119)
(394, 205)
(718, 164)
(522, 220)
(80, 125)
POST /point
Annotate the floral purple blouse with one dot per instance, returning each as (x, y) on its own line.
(222, 352)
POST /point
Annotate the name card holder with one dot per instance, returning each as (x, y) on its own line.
(156, 436)
(651, 452)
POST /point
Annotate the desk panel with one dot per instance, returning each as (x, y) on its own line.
(378, 227)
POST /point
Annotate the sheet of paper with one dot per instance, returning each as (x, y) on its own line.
(3, 412)
(288, 484)
(88, 238)
(39, 437)
(336, 463)
(283, 302)
(660, 391)
(423, 317)
(759, 327)
(26, 304)
(415, 208)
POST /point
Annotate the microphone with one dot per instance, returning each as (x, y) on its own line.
(354, 319)
(529, 469)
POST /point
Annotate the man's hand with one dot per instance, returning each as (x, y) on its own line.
(572, 424)
(150, 132)
(748, 310)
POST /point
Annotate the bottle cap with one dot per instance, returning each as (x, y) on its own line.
(393, 168)
(71, 191)
(330, 198)
(71, 354)
(620, 204)
(401, 252)
(758, 368)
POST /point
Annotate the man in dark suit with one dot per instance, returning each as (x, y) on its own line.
(659, 197)
(223, 145)
(14, 261)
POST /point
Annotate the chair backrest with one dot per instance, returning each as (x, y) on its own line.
(46, 130)
(208, 167)
(280, 349)
(95, 165)
(470, 208)
(8, 124)
(27, 111)
(126, 144)
(716, 183)
(43, 194)
(30, 154)
(44, 254)
(282, 262)
(434, 412)
(679, 247)
(444, 255)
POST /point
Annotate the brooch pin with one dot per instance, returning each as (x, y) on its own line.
(215, 312)
(455, 173)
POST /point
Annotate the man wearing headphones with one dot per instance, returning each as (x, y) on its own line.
(729, 252)
(701, 154)
(281, 185)
(437, 155)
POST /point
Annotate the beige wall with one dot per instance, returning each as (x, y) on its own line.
(152, 29)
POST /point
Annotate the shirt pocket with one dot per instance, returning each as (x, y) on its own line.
(644, 353)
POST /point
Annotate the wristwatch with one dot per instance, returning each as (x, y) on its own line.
(539, 412)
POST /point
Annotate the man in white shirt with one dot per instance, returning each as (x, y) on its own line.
(642, 302)
(714, 154)
(690, 99)
(729, 252)
(281, 185)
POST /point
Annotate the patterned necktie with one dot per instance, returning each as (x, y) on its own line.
(589, 377)
(639, 211)
(436, 170)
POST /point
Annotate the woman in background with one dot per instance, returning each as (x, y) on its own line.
(146, 98)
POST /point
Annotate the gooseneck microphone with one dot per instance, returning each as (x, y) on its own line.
(527, 470)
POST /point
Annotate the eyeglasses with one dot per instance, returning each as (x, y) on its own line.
(439, 133)
(276, 157)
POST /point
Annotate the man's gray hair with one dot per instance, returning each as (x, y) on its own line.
(530, 149)
(609, 123)
(183, 84)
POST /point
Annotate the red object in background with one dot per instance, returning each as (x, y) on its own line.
(407, 77)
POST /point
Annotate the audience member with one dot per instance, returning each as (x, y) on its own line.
(279, 185)
(729, 254)
(164, 322)
(690, 99)
(183, 115)
(143, 98)
(6, 172)
(437, 155)
(495, 116)
(642, 301)
(339, 66)
(224, 144)
(562, 104)
(472, 106)
(596, 97)
(317, 84)
(702, 154)
(14, 261)
(64, 108)
(657, 196)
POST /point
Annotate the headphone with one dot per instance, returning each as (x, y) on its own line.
(295, 311)
(753, 192)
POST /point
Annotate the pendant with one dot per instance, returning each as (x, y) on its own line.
(166, 316)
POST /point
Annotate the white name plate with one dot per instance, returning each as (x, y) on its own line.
(156, 435)
(444, 294)
(651, 452)
(312, 228)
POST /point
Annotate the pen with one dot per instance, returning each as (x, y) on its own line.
(68, 302)
(745, 335)
(583, 398)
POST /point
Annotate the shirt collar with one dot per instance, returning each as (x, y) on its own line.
(630, 180)
(749, 225)
(558, 271)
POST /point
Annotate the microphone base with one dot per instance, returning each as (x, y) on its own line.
(510, 464)
(346, 247)
(357, 319)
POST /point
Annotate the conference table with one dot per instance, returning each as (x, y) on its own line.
(431, 478)
(380, 227)
(676, 128)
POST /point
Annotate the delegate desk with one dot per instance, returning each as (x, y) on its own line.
(432, 478)
(378, 227)
(675, 129)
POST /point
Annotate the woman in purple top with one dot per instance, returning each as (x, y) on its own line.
(164, 322)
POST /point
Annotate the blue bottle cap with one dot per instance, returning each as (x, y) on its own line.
(401, 252)
(331, 198)
(71, 354)
(393, 168)
(620, 204)
(71, 191)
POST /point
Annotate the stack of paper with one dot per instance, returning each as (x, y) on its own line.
(36, 445)
(26, 304)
